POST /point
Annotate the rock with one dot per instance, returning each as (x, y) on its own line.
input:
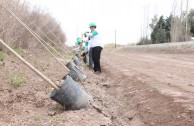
(51, 113)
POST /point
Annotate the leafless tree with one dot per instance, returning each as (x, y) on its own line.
(179, 26)
(13, 33)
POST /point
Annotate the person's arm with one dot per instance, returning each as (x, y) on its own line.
(83, 49)
(93, 33)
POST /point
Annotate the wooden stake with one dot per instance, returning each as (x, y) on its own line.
(29, 65)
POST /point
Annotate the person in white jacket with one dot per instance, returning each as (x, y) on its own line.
(96, 45)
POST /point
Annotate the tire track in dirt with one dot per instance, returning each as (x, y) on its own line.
(171, 73)
(138, 101)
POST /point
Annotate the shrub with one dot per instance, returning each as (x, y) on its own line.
(17, 79)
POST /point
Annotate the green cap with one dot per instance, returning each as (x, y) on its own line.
(92, 24)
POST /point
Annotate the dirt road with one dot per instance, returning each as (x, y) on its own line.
(161, 86)
(134, 89)
(163, 70)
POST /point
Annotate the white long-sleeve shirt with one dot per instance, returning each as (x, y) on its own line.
(94, 39)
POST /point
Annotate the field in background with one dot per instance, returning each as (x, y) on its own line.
(176, 47)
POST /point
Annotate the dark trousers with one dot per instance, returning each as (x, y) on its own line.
(96, 52)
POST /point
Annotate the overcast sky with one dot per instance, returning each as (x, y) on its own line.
(127, 17)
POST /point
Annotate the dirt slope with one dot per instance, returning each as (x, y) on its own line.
(135, 89)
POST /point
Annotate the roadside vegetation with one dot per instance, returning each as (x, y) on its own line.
(21, 40)
(13, 33)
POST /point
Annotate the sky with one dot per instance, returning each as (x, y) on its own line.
(123, 21)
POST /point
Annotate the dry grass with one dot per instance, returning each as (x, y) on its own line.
(13, 33)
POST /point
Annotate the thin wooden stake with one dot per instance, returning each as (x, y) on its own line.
(29, 65)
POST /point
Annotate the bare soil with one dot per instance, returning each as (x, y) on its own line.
(134, 89)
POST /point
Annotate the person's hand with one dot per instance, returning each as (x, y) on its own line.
(85, 33)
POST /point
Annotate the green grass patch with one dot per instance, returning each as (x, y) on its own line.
(17, 79)
(154, 85)
(2, 56)
(19, 50)
(84, 65)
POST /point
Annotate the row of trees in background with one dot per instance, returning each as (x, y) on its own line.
(40, 22)
(170, 29)
(191, 21)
